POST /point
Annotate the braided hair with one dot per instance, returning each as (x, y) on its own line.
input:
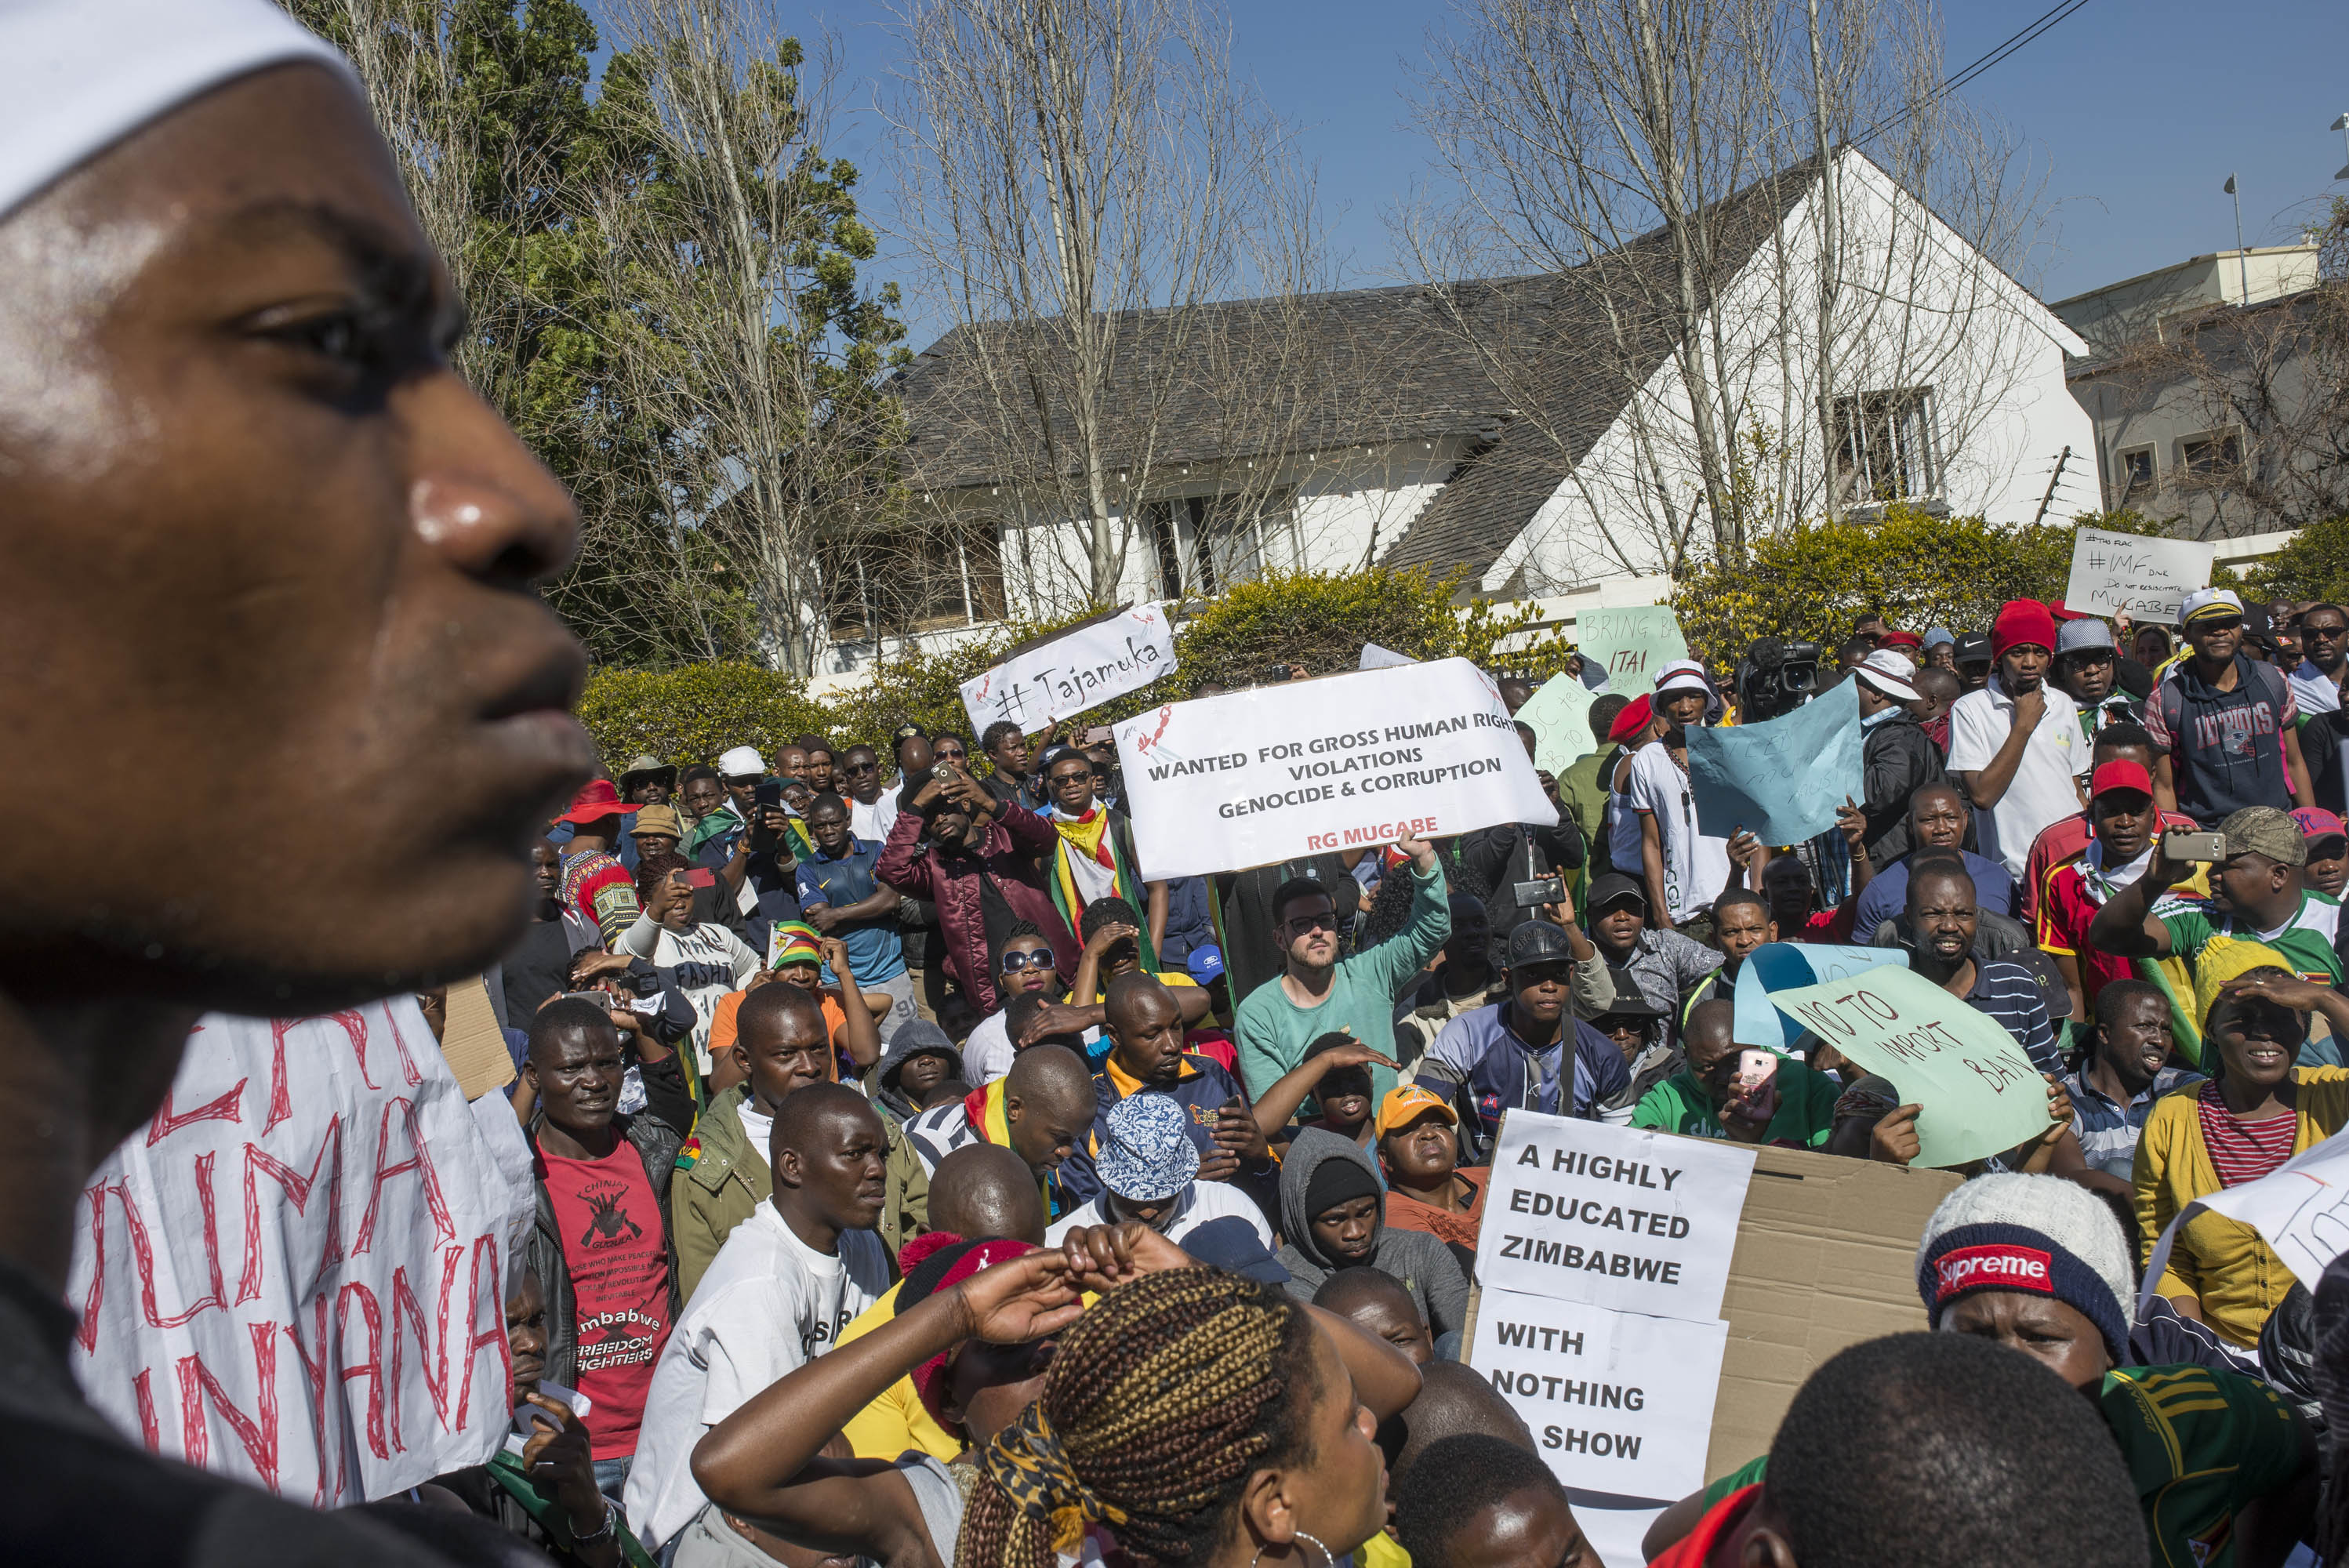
(1162, 1401)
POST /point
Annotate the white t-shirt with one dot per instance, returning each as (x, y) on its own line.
(709, 963)
(769, 1303)
(987, 1054)
(1695, 866)
(2043, 790)
(1206, 1201)
(873, 822)
(757, 1125)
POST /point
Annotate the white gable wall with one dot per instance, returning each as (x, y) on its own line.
(1918, 308)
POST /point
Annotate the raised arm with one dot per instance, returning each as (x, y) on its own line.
(1279, 1103)
(902, 863)
(2126, 926)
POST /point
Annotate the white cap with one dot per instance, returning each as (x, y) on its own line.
(1890, 673)
(1683, 675)
(2223, 601)
(742, 762)
(78, 75)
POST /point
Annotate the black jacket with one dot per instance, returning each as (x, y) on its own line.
(1897, 759)
(658, 1132)
(1499, 858)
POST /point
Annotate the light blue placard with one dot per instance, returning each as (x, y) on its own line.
(1785, 967)
(1782, 781)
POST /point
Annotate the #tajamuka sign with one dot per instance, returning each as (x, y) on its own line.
(295, 1273)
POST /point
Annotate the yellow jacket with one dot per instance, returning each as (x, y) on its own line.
(2238, 1277)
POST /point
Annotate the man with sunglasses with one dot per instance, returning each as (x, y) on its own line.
(2325, 648)
(2223, 722)
(1316, 993)
(872, 811)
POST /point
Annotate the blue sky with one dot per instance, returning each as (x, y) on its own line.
(2135, 109)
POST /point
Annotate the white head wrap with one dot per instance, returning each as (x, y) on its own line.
(78, 75)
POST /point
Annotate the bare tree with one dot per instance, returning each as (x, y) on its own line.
(1648, 155)
(735, 320)
(1080, 179)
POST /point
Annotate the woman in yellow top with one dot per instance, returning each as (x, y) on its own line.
(2259, 1112)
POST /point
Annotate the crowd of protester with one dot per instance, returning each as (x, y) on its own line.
(916, 1180)
(833, 1032)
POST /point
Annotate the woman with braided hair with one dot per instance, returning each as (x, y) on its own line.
(1189, 1419)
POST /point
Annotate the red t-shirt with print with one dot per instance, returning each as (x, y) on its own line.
(618, 1251)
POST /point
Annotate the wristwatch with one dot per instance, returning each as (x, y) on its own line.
(604, 1533)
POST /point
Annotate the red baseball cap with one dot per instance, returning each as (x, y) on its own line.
(2121, 774)
(1900, 640)
(1632, 719)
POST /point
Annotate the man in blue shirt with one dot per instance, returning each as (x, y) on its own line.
(2125, 1071)
(1513, 1053)
(1936, 822)
(840, 896)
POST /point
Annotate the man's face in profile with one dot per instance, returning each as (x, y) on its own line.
(255, 520)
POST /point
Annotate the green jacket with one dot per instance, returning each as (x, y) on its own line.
(721, 1180)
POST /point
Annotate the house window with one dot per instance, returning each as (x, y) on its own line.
(2137, 475)
(1204, 544)
(898, 582)
(1884, 447)
(2211, 455)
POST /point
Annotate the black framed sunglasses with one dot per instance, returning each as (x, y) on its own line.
(1325, 921)
(2327, 633)
(1040, 958)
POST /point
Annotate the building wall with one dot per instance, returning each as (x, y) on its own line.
(1991, 355)
(2121, 313)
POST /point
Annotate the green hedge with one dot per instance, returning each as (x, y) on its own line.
(691, 713)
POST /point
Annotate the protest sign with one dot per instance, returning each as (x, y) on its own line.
(294, 1274)
(2300, 1209)
(1827, 1257)
(1634, 1221)
(1783, 967)
(2146, 578)
(1305, 766)
(1376, 657)
(1979, 1094)
(1630, 644)
(472, 1041)
(1085, 665)
(1560, 715)
(1781, 779)
(1619, 1404)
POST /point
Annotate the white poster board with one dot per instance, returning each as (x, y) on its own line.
(1079, 669)
(294, 1274)
(1603, 1257)
(1376, 657)
(2146, 578)
(1304, 766)
(1612, 1216)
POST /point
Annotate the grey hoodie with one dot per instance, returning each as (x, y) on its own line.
(1424, 1265)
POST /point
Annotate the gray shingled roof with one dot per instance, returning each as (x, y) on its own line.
(1378, 366)
(1360, 366)
(1602, 337)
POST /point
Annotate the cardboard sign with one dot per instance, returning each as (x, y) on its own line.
(472, 1041)
(1784, 967)
(1306, 767)
(1079, 669)
(1630, 644)
(1619, 1404)
(1611, 1216)
(1782, 779)
(294, 1274)
(1825, 1257)
(2300, 1209)
(1979, 1095)
(2147, 578)
(1560, 715)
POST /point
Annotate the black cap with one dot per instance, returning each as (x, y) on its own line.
(1972, 648)
(1538, 942)
(907, 732)
(1613, 889)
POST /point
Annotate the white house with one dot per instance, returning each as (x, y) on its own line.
(1538, 434)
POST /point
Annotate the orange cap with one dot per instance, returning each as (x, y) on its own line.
(1409, 1103)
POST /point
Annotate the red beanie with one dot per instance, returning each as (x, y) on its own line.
(1631, 720)
(2022, 620)
(929, 1379)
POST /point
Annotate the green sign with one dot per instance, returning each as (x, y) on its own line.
(1630, 644)
(1560, 715)
(1979, 1094)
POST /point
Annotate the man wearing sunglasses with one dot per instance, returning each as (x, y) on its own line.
(871, 811)
(1316, 993)
(2325, 648)
(2223, 722)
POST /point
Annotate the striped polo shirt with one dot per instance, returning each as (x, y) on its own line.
(2006, 992)
(2107, 1129)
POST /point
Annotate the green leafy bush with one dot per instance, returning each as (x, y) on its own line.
(2315, 565)
(690, 713)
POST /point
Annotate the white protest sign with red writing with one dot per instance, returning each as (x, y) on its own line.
(1082, 668)
(294, 1273)
(1301, 768)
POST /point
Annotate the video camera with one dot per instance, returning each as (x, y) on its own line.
(1775, 677)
